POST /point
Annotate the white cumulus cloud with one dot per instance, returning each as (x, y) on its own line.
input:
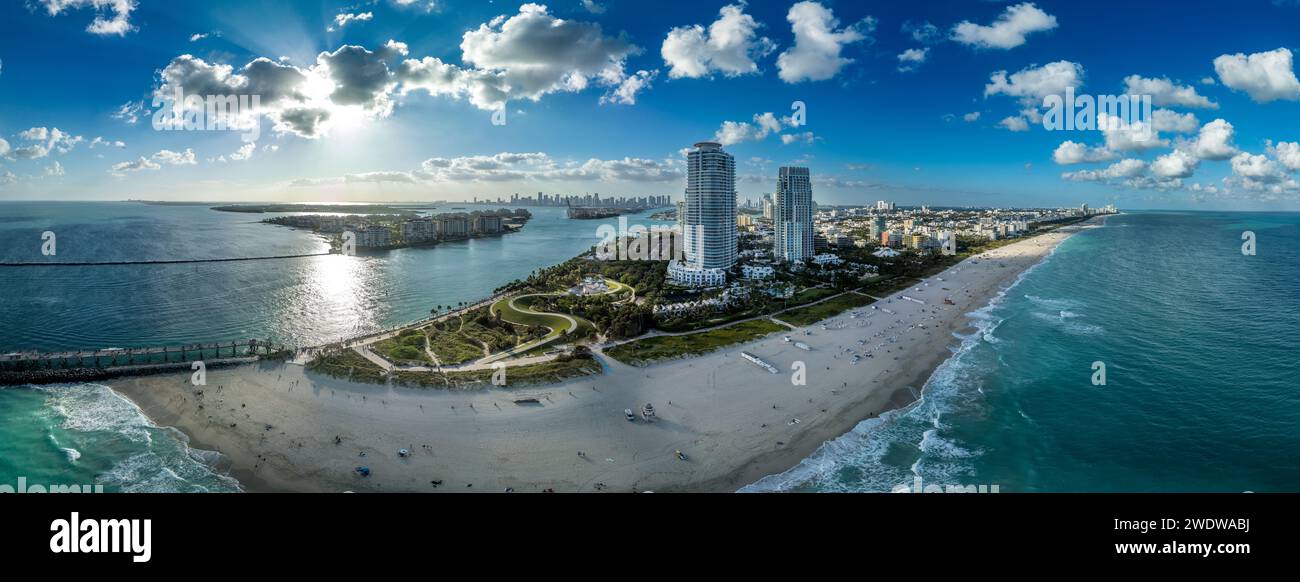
(912, 58)
(1008, 31)
(111, 16)
(818, 43)
(1266, 76)
(1165, 93)
(731, 45)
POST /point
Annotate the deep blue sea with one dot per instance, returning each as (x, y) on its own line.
(1202, 390)
(86, 434)
(1202, 385)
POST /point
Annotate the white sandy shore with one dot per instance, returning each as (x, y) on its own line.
(276, 424)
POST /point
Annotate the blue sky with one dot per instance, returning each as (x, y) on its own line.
(921, 103)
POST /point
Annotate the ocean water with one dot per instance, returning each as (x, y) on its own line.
(86, 434)
(303, 301)
(1202, 385)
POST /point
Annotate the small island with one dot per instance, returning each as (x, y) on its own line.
(336, 208)
(593, 213)
(380, 232)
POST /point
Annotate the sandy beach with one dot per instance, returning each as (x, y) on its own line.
(276, 425)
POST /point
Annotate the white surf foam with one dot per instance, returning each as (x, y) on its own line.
(860, 454)
(161, 465)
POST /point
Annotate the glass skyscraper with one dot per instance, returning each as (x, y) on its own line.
(792, 216)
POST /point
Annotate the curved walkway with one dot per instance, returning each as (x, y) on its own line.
(554, 335)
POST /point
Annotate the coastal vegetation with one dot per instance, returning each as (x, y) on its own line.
(495, 333)
(604, 312)
(647, 277)
(347, 364)
(644, 351)
(826, 309)
(407, 346)
(447, 343)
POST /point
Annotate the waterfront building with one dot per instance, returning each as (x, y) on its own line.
(711, 207)
(374, 236)
(418, 230)
(487, 224)
(453, 225)
(792, 215)
(690, 275)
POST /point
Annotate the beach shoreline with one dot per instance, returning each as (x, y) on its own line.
(276, 424)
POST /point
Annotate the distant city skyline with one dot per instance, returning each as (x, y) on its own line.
(940, 104)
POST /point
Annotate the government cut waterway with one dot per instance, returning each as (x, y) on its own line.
(295, 301)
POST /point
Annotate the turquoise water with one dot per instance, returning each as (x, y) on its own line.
(87, 434)
(1199, 343)
(1202, 377)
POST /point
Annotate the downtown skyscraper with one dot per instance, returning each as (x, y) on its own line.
(792, 216)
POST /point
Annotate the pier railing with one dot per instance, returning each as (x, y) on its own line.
(117, 357)
(152, 356)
